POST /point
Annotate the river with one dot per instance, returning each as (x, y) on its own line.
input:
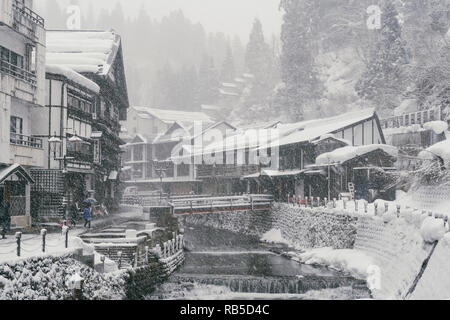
(222, 265)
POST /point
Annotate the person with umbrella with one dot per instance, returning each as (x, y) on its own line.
(87, 215)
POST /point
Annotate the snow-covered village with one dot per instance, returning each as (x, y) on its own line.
(224, 150)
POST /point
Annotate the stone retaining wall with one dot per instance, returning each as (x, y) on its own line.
(398, 250)
(394, 242)
(244, 222)
(315, 228)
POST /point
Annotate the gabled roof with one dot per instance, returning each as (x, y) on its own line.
(175, 133)
(17, 169)
(184, 118)
(292, 133)
(308, 131)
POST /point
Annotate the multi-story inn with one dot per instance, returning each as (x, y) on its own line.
(292, 150)
(160, 132)
(66, 126)
(86, 97)
(152, 121)
(22, 96)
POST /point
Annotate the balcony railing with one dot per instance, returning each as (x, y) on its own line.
(28, 13)
(18, 73)
(25, 141)
(231, 171)
(418, 117)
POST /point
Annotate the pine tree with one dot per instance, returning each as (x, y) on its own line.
(208, 83)
(259, 61)
(257, 56)
(301, 87)
(383, 81)
(228, 70)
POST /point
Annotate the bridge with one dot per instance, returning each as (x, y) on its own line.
(198, 205)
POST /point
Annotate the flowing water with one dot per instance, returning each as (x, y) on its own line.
(224, 265)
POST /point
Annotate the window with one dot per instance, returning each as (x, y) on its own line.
(16, 125)
(4, 54)
(138, 153)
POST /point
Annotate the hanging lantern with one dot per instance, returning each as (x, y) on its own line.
(54, 144)
(76, 142)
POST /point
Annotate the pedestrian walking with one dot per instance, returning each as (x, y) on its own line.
(5, 218)
(87, 215)
(74, 210)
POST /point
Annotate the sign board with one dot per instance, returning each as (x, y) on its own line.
(97, 152)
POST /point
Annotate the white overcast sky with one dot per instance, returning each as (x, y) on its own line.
(228, 16)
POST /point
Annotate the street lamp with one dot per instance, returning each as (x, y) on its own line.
(55, 143)
(161, 167)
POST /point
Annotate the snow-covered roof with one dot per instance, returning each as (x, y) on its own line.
(438, 127)
(308, 131)
(441, 149)
(260, 125)
(227, 93)
(274, 173)
(82, 51)
(72, 76)
(229, 85)
(407, 106)
(211, 107)
(331, 136)
(290, 133)
(172, 116)
(345, 154)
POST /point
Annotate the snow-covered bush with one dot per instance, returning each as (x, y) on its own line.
(45, 278)
(432, 229)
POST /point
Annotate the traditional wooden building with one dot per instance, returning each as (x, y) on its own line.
(172, 151)
(69, 170)
(290, 148)
(86, 97)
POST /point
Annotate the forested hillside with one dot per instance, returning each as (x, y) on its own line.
(328, 59)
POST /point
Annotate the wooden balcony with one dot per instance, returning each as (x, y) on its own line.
(226, 171)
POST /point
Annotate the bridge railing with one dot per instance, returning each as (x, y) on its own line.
(221, 204)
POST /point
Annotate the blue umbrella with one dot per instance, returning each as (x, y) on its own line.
(91, 201)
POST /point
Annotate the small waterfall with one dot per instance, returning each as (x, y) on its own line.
(269, 285)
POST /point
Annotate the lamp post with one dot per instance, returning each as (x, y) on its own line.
(161, 167)
(55, 143)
